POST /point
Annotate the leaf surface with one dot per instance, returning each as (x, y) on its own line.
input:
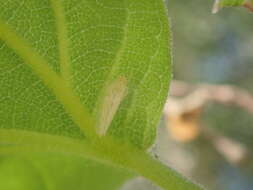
(85, 77)
(56, 171)
(88, 44)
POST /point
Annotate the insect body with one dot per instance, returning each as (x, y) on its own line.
(113, 95)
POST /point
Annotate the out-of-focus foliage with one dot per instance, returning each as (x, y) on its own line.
(214, 48)
(211, 47)
(219, 4)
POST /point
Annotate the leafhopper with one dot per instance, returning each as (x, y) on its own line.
(113, 95)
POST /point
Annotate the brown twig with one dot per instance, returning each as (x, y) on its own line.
(182, 113)
(233, 151)
(225, 94)
(248, 5)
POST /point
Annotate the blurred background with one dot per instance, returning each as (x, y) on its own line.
(207, 129)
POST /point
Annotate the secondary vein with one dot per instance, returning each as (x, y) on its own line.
(20, 141)
(62, 35)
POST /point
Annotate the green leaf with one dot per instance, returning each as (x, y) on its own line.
(57, 171)
(64, 53)
(218, 4)
(87, 78)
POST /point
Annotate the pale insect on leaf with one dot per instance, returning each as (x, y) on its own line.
(114, 93)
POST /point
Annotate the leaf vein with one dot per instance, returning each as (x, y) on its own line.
(61, 90)
(62, 35)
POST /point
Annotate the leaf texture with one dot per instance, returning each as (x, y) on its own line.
(85, 44)
(86, 78)
(57, 171)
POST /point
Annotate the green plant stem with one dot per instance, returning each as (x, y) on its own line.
(159, 173)
(104, 150)
(140, 162)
